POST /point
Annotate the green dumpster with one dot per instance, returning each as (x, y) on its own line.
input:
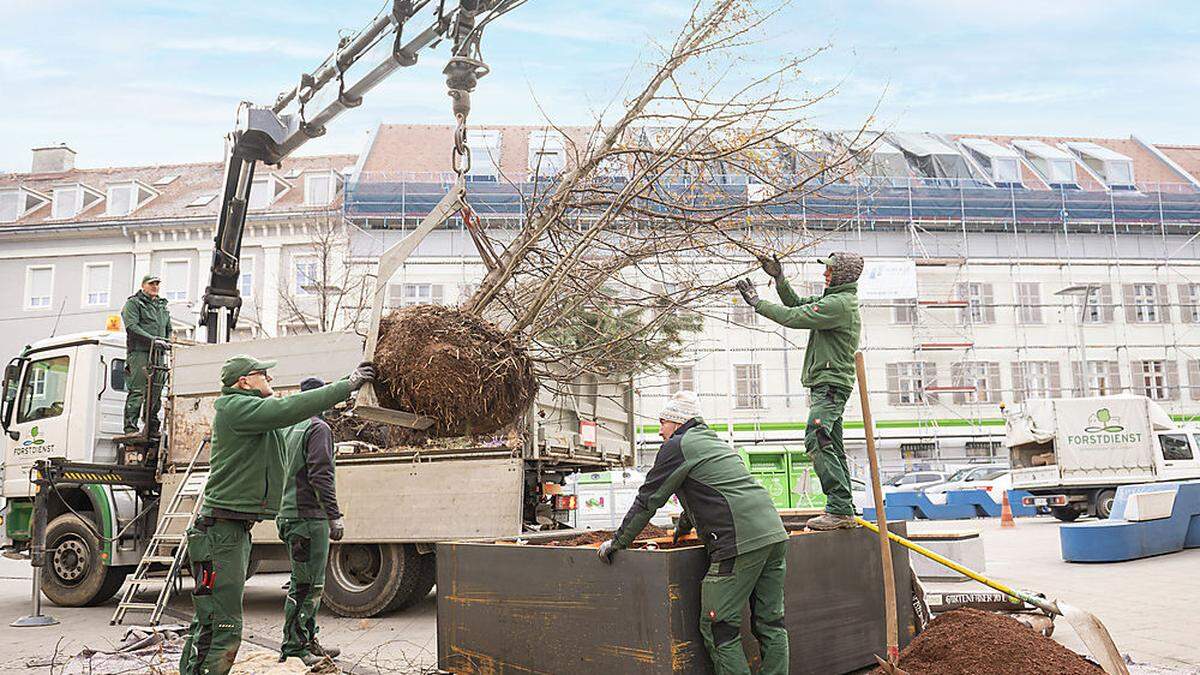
(769, 468)
(804, 489)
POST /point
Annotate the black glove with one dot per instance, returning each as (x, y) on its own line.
(337, 529)
(771, 266)
(364, 373)
(606, 551)
(748, 293)
(679, 533)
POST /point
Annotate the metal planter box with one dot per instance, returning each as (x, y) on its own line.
(509, 608)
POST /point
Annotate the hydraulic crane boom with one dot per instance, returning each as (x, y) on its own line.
(270, 133)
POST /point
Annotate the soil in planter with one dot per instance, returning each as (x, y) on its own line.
(974, 641)
(599, 536)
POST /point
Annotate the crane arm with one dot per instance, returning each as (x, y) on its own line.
(361, 61)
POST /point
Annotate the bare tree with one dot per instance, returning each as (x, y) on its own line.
(326, 294)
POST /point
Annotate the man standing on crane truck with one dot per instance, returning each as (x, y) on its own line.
(834, 324)
(308, 519)
(244, 486)
(146, 319)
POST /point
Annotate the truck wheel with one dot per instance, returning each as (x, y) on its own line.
(74, 575)
(1067, 514)
(1104, 503)
(427, 565)
(363, 580)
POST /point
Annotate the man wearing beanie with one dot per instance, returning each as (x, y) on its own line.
(734, 516)
(828, 373)
(245, 483)
(308, 519)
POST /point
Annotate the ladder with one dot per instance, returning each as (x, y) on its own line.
(159, 551)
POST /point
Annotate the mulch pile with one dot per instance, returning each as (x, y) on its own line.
(454, 367)
(598, 536)
(974, 641)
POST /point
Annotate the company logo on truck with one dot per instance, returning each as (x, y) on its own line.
(34, 445)
(1104, 428)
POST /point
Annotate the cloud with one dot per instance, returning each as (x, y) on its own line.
(18, 65)
(245, 45)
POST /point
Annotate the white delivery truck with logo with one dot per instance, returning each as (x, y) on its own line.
(1072, 453)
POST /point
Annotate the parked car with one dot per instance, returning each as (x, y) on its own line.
(860, 493)
(972, 478)
(914, 481)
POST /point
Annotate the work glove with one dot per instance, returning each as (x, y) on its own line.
(771, 266)
(680, 532)
(606, 551)
(364, 373)
(337, 529)
(748, 293)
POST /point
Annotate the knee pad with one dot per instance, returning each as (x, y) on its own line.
(724, 632)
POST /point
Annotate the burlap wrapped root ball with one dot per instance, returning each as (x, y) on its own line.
(454, 367)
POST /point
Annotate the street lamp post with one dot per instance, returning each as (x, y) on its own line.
(1084, 293)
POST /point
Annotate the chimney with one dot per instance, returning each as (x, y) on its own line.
(53, 159)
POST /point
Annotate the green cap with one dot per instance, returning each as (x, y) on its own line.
(827, 260)
(240, 365)
(150, 277)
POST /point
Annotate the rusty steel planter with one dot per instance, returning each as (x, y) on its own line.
(510, 608)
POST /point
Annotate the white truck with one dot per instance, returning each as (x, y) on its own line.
(1073, 453)
(63, 402)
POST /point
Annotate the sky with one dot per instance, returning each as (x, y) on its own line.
(127, 82)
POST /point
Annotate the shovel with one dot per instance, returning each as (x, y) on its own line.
(1093, 633)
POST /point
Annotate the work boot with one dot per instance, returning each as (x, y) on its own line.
(309, 659)
(315, 647)
(830, 521)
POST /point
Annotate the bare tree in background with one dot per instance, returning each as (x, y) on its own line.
(660, 210)
(322, 292)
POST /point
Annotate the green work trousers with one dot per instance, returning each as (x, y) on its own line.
(307, 541)
(757, 576)
(219, 551)
(823, 441)
(135, 392)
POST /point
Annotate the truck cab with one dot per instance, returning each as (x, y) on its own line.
(64, 397)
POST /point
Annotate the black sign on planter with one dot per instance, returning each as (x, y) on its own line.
(513, 608)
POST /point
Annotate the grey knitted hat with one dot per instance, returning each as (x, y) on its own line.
(683, 406)
(846, 267)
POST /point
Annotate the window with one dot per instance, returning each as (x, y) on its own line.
(1029, 302)
(984, 376)
(1154, 379)
(1189, 303)
(1145, 303)
(743, 315)
(683, 378)
(319, 189)
(175, 276)
(97, 284)
(307, 280)
(116, 375)
(1099, 305)
(125, 198)
(203, 199)
(748, 385)
(39, 286)
(45, 390)
(1103, 378)
(904, 311)
(1174, 447)
(907, 382)
(1035, 379)
(484, 146)
(246, 277)
(15, 204)
(547, 153)
(922, 450)
(264, 191)
(403, 295)
(980, 308)
(71, 200)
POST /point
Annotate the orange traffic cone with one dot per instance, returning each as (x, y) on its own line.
(1006, 518)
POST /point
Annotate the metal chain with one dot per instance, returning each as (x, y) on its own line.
(460, 155)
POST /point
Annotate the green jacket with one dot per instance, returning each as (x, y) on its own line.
(246, 465)
(145, 318)
(309, 482)
(835, 325)
(732, 513)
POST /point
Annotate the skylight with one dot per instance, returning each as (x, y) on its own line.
(203, 199)
(166, 180)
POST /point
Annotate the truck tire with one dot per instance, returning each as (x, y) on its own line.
(427, 564)
(365, 580)
(74, 575)
(1104, 503)
(1067, 514)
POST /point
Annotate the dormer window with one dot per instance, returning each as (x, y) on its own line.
(125, 198)
(547, 153)
(320, 188)
(1002, 165)
(266, 190)
(484, 146)
(1055, 165)
(72, 200)
(18, 203)
(1115, 169)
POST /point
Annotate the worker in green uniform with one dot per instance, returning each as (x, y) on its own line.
(308, 519)
(245, 483)
(734, 516)
(828, 372)
(146, 319)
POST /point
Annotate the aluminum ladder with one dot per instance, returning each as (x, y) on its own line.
(161, 544)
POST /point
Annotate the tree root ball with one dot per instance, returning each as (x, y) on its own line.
(454, 367)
